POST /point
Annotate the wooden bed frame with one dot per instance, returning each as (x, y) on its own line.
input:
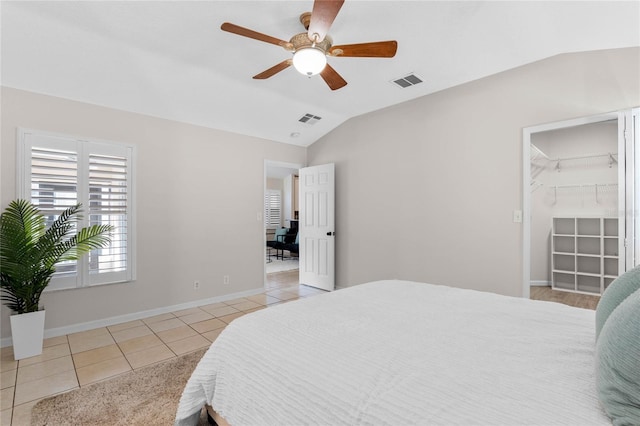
(217, 418)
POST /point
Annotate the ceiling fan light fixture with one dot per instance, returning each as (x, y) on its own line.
(309, 60)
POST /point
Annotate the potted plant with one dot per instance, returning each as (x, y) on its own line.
(29, 252)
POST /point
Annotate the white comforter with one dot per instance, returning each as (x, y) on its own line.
(401, 353)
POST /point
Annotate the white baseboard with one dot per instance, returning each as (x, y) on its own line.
(90, 325)
(540, 283)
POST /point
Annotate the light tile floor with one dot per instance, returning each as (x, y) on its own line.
(76, 360)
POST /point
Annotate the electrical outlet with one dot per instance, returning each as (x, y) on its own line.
(196, 285)
(225, 280)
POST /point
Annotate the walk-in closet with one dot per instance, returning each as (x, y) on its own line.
(575, 229)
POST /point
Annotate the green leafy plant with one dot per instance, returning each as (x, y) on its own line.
(29, 250)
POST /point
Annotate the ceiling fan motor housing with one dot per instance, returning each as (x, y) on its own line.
(301, 41)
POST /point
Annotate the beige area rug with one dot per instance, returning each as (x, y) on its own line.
(277, 265)
(148, 396)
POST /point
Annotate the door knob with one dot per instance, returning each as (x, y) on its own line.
(330, 234)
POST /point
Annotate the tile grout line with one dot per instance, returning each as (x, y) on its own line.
(73, 360)
(119, 348)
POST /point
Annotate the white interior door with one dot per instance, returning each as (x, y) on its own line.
(317, 226)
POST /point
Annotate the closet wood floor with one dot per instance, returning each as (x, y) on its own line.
(585, 301)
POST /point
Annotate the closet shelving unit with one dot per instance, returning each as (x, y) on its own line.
(584, 253)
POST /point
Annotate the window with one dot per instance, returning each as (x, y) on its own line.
(56, 172)
(272, 208)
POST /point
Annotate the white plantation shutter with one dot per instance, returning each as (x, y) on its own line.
(108, 202)
(272, 208)
(54, 177)
(59, 171)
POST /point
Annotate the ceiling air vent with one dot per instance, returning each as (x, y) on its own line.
(309, 119)
(408, 81)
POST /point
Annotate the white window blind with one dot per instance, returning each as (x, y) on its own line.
(59, 171)
(54, 178)
(108, 201)
(272, 208)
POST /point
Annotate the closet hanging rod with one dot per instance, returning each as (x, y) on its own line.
(595, 185)
(581, 185)
(610, 155)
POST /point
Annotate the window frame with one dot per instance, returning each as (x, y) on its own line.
(84, 148)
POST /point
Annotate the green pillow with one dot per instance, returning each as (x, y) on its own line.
(617, 291)
(618, 363)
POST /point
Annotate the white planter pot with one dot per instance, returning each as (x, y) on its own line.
(27, 333)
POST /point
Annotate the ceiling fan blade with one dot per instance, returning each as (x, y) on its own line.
(273, 70)
(236, 29)
(332, 78)
(322, 16)
(378, 49)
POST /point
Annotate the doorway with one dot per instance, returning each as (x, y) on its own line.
(281, 223)
(579, 204)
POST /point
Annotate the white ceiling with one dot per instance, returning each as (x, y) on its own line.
(170, 59)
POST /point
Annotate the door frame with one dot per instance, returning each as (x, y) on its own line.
(271, 163)
(527, 132)
(631, 133)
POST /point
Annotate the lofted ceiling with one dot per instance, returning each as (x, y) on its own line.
(170, 59)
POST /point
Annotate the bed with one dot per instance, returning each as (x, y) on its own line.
(401, 353)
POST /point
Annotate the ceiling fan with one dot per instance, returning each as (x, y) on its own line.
(310, 49)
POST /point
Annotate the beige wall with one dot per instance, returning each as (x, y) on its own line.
(198, 195)
(274, 183)
(425, 190)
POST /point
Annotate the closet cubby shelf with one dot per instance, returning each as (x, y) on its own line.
(584, 253)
